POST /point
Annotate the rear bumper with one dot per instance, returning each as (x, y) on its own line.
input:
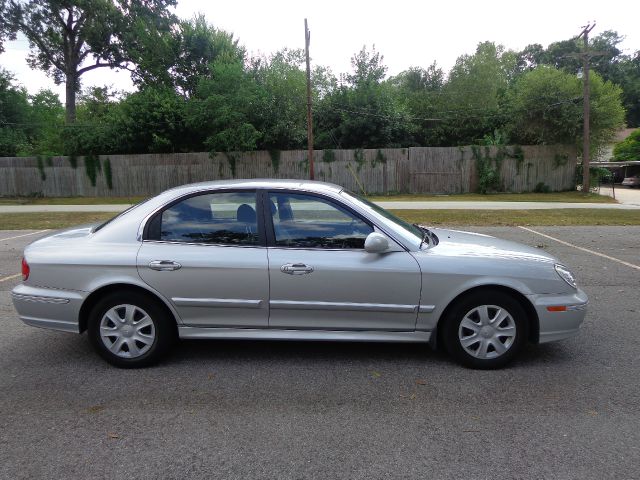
(48, 308)
(558, 325)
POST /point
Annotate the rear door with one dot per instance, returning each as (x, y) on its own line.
(206, 253)
(321, 276)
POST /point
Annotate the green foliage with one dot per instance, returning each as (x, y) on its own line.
(368, 67)
(597, 175)
(197, 91)
(275, 159)
(497, 137)
(14, 111)
(151, 120)
(611, 63)
(198, 46)
(545, 107)
(560, 160)
(223, 110)
(362, 112)
(628, 149)
(231, 158)
(40, 163)
(328, 155)
(92, 167)
(379, 158)
(473, 95)
(488, 169)
(541, 187)
(108, 174)
(280, 113)
(107, 33)
(358, 157)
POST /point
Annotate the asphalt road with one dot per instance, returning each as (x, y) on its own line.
(245, 410)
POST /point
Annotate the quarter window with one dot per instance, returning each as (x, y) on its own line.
(306, 221)
(227, 218)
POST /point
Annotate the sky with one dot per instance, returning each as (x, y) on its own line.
(407, 33)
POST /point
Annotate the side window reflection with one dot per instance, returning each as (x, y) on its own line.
(306, 221)
(227, 218)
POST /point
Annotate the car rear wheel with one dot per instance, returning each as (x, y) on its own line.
(486, 329)
(130, 330)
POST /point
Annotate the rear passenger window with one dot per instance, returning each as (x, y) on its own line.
(226, 218)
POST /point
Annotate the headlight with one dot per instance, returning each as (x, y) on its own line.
(566, 275)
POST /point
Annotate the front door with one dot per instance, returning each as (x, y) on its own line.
(206, 255)
(321, 276)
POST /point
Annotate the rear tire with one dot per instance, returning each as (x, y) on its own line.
(130, 330)
(485, 329)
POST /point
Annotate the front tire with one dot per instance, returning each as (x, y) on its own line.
(485, 329)
(130, 330)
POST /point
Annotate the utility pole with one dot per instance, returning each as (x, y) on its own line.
(307, 40)
(586, 56)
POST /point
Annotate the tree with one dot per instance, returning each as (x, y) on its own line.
(545, 107)
(47, 119)
(628, 149)
(223, 112)
(367, 68)
(200, 46)
(362, 111)
(71, 37)
(281, 114)
(472, 98)
(610, 62)
(14, 116)
(6, 31)
(420, 93)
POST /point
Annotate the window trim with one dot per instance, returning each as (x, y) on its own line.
(270, 229)
(259, 218)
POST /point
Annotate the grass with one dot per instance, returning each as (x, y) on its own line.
(54, 220)
(564, 217)
(574, 197)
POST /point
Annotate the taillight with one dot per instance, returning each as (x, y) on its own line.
(25, 269)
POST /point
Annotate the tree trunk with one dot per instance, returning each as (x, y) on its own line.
(70, 102)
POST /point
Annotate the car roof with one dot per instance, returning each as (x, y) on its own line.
(308, 185)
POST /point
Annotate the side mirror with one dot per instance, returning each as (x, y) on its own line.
(376, 243)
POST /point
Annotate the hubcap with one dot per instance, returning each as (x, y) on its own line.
(487, 331)
(127, 331)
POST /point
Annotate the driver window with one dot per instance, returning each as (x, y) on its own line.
(306, 221)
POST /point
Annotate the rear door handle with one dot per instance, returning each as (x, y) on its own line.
(296, 268)
(164, 265)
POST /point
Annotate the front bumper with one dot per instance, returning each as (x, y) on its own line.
(48, 308)
(558, 325)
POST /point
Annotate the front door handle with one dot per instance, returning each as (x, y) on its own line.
(296, 268)
(164, 265)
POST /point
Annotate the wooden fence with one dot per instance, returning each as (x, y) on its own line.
(403, 170)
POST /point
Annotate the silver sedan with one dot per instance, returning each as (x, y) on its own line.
(291, 260)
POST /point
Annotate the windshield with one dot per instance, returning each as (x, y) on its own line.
(411, 229)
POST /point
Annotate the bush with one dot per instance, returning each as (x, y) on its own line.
(628, 149)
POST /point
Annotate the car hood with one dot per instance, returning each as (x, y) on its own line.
(456, 243)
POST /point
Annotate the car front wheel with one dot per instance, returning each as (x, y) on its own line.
(485, 330)
(130, 330)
